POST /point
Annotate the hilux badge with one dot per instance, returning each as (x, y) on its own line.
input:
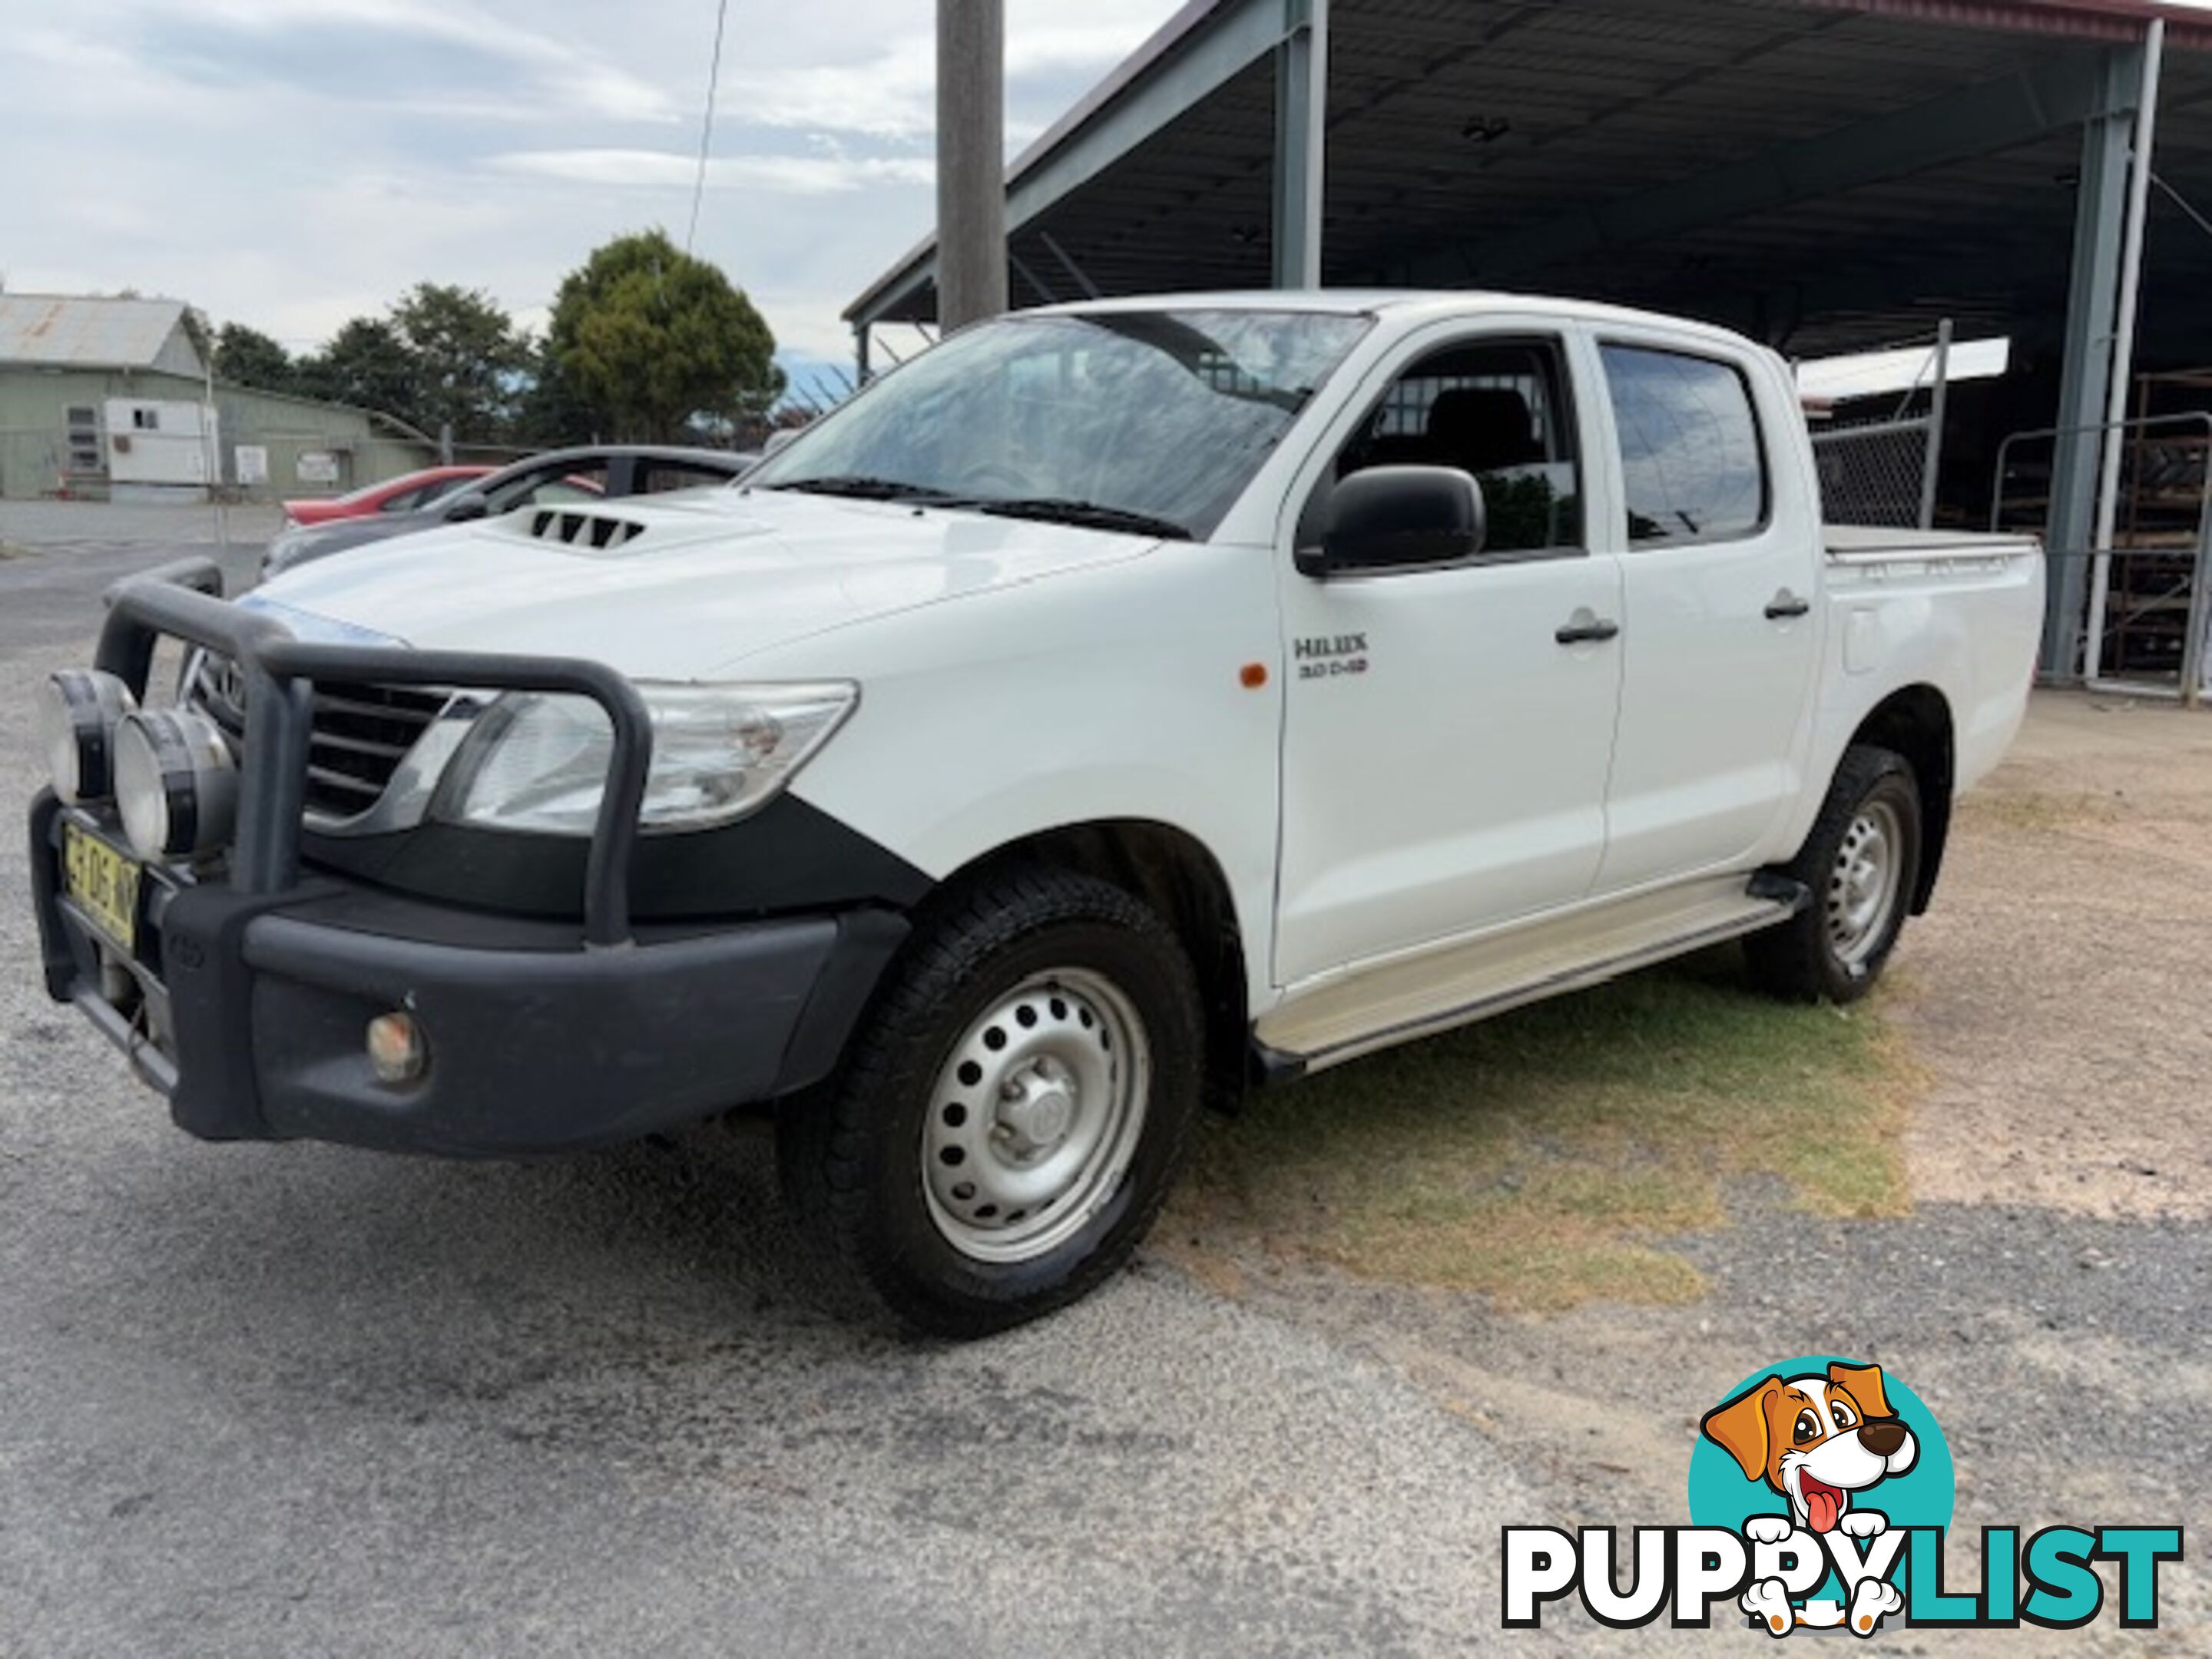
(1328, 659)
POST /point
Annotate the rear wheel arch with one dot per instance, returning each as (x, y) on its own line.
(1916, 724)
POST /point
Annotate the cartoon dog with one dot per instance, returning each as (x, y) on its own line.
(1817, 1440)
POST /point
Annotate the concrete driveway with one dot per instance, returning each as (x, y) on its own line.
(294, 1399)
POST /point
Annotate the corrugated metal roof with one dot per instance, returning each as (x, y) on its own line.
(78, 332)
(1738, 159)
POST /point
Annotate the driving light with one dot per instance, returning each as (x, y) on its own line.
(397, 1050)
(538, 763)
(176, 783)
(78, 710)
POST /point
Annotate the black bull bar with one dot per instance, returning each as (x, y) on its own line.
(183, 601)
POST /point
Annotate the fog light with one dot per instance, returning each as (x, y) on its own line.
(176, 783)
(78, 710)
(396, 1052)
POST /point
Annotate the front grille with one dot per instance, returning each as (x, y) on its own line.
(361, 732)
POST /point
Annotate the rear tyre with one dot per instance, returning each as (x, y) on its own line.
(1862, 865)
(1014, 1112)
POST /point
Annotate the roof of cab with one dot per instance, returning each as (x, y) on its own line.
(1426, 303)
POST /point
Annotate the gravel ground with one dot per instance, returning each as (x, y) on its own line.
(270, 1400)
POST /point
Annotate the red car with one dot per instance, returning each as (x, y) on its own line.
(408, 494)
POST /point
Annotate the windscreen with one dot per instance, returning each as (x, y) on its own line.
(1146, 421)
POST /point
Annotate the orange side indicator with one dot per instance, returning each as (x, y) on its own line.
(1253, 676)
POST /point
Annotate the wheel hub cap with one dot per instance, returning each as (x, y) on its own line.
(1038, 1109)
(1035, 1116)
(1863, 883)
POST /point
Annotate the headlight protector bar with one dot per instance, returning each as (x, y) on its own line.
(183, 601)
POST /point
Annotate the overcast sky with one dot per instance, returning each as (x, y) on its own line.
(292, 163)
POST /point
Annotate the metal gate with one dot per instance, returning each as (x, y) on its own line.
(2150, 592)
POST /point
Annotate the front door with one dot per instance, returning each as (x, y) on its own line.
(1445, 751)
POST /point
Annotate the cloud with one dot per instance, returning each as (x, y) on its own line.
(788, 175)
(292, 163)
(561, 65)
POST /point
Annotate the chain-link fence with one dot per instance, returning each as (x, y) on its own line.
(1876, 472)
(1882, 468)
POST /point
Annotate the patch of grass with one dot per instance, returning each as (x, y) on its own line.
(1537, 1157)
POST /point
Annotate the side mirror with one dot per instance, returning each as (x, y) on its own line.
(782, 438)
(470, 506)
(1387, 517)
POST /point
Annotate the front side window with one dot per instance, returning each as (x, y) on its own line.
(438, 487)
(1690, 451)
(1151, 422)
(562, 483)
(658, 478)
(1499, 410)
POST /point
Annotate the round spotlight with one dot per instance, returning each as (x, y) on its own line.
(78, 710)
(176, 783)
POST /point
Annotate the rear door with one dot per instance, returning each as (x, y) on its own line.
(1718, 547)
(1444, 751)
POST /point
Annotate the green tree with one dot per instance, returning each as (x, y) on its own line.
(368, 364)
(468, 358)
(554, 409)
(246, 357)
(645, 338)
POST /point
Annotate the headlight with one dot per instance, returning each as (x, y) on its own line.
(78, 711)
(176, 784)
(539, 763)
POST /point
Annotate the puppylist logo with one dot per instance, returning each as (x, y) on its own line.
(1820, 1494)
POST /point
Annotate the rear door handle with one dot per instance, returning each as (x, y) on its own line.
(1786, 606)
(1586, 627)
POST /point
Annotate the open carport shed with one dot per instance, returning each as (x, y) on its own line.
(1825, 175)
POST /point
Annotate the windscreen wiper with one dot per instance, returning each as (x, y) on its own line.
(859, 487)
(1090, 515)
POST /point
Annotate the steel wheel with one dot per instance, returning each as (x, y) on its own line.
(1864, 883)
(1035, 1116)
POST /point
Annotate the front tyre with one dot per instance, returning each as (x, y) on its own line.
(1014, 1113)
(1862, 864)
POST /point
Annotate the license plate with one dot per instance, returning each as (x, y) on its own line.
(104, 883)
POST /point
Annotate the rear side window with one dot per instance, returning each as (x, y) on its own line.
(1690, 450)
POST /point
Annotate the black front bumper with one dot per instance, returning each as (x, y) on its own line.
(251, 1011)
(247, 998)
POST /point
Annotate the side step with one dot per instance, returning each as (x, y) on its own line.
(1419, 996)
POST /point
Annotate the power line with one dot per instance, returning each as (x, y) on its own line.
(707, 127)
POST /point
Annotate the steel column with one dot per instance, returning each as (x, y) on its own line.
(1301, 143)
(2086, 381)
(2142, 151)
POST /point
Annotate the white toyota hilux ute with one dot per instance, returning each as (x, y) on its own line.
(1112, 707)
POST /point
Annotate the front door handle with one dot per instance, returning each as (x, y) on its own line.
(1786, 606)
(1586, 627)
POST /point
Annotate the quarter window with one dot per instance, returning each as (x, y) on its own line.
(1498, 410)
(1690, 451)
